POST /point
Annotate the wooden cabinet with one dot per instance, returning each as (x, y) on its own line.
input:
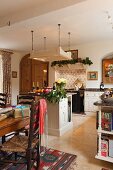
(40, 73)
(60, 117)
(25, 75)
(32, 71)
(89, 98)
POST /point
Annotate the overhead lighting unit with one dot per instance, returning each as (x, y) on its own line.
(33, 54)
(51, 54)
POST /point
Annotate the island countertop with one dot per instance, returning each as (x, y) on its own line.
(103, 104)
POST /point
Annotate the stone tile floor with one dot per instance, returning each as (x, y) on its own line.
(81, 141)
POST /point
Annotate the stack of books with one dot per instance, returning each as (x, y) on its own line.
(107, 146)
(107, 121)
(104, 146)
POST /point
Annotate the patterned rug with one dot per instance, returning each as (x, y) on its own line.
(50, 160)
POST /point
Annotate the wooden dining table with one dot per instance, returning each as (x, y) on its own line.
(11, 124)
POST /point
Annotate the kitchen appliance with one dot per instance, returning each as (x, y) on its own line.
(77, 100)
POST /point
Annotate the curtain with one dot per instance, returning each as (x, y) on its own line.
(6, 65)
(1, 74)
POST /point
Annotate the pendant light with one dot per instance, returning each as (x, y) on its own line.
(62, 55)
(32, 32)
(44, 43)
(33, 54)
(69, 41)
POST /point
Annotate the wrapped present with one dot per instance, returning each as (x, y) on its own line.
(21, 111)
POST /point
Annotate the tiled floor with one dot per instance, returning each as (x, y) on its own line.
(81, 140)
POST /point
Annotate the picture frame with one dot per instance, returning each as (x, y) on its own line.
(107, 71)
(14, 74)
(74, 54)
(92, 75)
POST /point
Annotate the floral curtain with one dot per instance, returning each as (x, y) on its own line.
(1, 74)
(6, 65)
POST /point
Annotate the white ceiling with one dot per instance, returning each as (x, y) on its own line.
(86, 20)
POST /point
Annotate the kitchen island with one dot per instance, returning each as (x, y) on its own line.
(60, 116)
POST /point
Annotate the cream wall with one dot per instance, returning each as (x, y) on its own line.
(96, 52)
(15, 61)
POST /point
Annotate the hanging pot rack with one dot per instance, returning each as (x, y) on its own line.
(50, 54)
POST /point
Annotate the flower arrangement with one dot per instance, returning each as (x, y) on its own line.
(58, 93)
(60, 83)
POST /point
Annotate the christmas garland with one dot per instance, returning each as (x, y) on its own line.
(60, 63)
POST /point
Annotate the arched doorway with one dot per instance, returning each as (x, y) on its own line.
(32, 72)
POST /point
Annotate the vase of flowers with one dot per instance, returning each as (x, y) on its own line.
(58, 92)
(60, 84)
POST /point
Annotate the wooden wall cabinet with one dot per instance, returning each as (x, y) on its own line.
(107, 71)
(32, 71)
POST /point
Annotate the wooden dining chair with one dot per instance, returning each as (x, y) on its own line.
(3, 104)
(29, 145)
(3, 100)
(25, 99)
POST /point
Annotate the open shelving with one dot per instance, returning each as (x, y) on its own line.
(102, 132)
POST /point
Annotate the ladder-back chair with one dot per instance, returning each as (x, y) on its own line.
(3, 100)
(3, 104)
(29, 145)
(25, 99)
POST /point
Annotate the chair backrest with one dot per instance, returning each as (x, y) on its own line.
(3, 100)
(25, 99)
(34, 123)
(34, 131)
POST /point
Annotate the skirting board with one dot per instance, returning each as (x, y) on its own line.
(60, 132)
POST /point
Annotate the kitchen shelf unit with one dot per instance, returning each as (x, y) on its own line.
(108, 159)
(100, 132)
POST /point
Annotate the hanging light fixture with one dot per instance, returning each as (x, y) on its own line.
(61, 54)
(44, 43)
(33, 54)
(32, 32)
(69, 41)
(52, 54)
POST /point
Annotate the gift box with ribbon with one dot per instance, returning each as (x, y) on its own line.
(21, 111)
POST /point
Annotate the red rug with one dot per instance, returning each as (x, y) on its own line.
(50, 160)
